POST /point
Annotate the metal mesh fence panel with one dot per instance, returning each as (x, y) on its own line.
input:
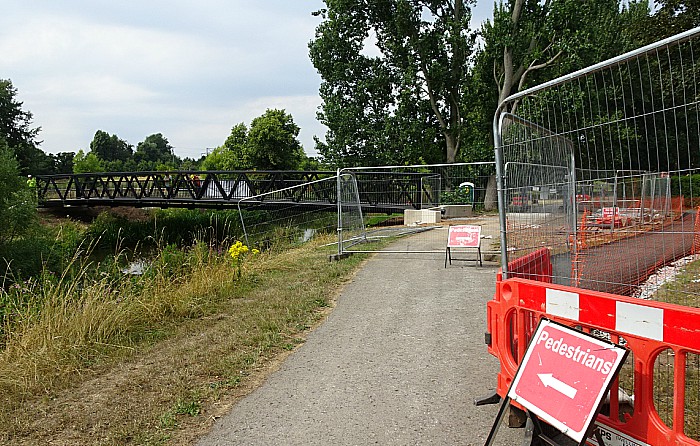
(601, 166)
(538, 188)
(663, 385)
(351, 226)
(420, 201)
(616, 147)
(290, 215)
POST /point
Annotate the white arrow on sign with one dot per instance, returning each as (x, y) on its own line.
(550, 381)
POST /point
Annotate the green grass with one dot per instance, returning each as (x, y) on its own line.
(683, 289)
(377, 219)
(146, 360)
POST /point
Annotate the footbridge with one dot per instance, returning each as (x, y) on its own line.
(384, 192)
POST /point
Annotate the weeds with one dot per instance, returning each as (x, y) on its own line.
(56, 326)
(198, 321)
(195, 328)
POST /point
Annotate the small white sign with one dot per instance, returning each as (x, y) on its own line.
(611, 437)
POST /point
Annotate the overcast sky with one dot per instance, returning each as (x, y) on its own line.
(187, 69)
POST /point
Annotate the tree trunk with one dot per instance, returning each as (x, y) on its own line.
(451, 148)
(491, 196)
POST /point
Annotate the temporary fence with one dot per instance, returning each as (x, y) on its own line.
(598, 184)
(420, 200)
(293, 214)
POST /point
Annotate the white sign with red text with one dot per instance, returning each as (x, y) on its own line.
(464, 236)
(564, 375)
(610, 212)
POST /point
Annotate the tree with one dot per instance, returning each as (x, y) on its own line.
(272, 142)
(63, 162)
(155, 149)
(531, 41)
(232, 155)
(220, 159)
(16, 130)
(311, 163)
(110, 147)
(673, 17)
(17, 201)
(643, 26)
(87, 163)
(405, 102)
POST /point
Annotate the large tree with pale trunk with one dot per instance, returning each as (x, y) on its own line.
(394, 74)
(531, 41)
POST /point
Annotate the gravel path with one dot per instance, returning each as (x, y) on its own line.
(399, 361)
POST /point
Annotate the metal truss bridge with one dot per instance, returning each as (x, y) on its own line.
(381, 192)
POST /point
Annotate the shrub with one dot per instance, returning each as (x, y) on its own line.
(686, 185)
(461, 195)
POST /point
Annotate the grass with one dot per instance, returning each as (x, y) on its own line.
(372, 220)
(683, 289)
(154, 360)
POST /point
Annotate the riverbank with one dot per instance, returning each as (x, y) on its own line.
(163, 386)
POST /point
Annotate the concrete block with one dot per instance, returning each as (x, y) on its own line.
(420, 216)
(457, 210)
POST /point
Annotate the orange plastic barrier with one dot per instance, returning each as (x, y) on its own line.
(534, 266)
(647, 328)
(696, 238)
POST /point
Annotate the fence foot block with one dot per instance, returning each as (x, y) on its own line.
(337, 257)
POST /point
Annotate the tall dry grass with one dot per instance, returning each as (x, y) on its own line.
(59, 328)
(185, 335)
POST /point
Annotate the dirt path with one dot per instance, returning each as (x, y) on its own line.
(399, 361)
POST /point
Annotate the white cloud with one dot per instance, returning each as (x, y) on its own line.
(189, 70)
(204, 128)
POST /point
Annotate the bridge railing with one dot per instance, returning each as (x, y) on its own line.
(171, 188)
(380, 189)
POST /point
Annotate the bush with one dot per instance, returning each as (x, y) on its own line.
(44, 248)
(686, 185)
(181, 227)
(17, 201)
(461, 195)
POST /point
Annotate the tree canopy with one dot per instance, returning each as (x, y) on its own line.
(394, 74)
(19, 135)
(155, 149)
(110, 147)
(672, 17)
(87, 162)
(270, 144)
(531, 41)
(404, 82)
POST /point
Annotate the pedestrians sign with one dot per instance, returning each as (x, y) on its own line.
(463, 236)
(564, 375)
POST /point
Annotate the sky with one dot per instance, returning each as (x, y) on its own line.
(190, 70)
